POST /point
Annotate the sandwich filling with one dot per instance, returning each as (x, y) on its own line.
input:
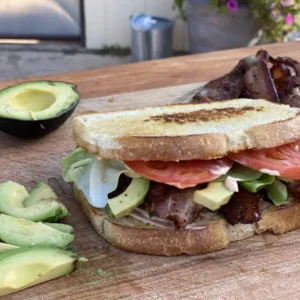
(174, 193)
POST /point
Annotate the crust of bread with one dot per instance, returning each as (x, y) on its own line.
(212, 235)
(279, 220)
(189, 131)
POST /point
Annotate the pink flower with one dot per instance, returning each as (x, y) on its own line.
(289, 19)
(287, 2)
(232, 5)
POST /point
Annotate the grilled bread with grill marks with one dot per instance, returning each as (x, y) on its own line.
(187, 131)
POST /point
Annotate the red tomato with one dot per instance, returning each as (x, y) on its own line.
(284, 160)
(181, 174)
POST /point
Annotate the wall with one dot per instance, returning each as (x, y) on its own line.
(107, 21)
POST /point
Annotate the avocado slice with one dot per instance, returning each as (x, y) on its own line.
(61, 227)
(133, 196)
(25, 233)
(12, 196)
(36, 108)
(213, 196)
(25, 267)
(40, 192)
(5, 247)
(16, 191)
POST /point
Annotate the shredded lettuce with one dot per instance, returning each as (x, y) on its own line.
(95, 177)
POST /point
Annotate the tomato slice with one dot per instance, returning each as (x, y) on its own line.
(283, 161)
(181, 174)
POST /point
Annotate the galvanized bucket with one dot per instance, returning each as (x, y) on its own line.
(151, 37)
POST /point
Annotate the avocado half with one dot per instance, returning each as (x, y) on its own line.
(36, 108)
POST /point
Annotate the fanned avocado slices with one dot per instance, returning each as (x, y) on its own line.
(12, 196)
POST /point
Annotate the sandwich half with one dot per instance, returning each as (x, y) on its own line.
(187, 179)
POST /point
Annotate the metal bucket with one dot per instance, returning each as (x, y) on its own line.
(151, 37)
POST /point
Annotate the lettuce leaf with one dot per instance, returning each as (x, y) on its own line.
(277, 192)
(95, 177)
(75, 164)
(240, 173)
(254, 186)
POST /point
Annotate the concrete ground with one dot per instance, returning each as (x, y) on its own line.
(25, 60)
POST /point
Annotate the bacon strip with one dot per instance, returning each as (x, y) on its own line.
(244, 207)
(171, 203)
(257, 77)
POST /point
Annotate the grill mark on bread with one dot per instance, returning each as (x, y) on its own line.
(204, 115)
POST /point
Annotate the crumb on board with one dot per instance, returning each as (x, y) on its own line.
(102, 273)
(264, 270)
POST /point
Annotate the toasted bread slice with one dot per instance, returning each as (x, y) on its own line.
(189, 131)
(209, 233)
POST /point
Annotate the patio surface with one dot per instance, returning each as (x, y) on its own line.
(25, 60)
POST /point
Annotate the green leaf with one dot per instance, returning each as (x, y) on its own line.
(285, 179)
(255, 185)
(240, 173)
(277, 192)
(75, 164)
(96, 178)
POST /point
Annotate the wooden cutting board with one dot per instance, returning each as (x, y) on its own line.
(262, 267)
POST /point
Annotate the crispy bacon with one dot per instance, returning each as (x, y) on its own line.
(294, 187)
(287, 61)
(292, 99)
(171, 203)
(257, 77)
(244, 207)
(259, 83)
(227, 87)
(158, 192)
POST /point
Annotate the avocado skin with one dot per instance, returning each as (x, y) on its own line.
(34, 129)
(29, 129)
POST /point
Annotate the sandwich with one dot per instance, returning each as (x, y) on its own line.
(188, 178)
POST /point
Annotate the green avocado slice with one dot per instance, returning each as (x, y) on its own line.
(39, 193)
(25, 233)
(25, 267)
(133, 196)
(12, 196)
(61, 227)
(213, 196)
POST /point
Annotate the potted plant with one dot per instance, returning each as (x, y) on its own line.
(223, 24)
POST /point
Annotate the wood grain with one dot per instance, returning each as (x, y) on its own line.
(263, 267)
(162, 73)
